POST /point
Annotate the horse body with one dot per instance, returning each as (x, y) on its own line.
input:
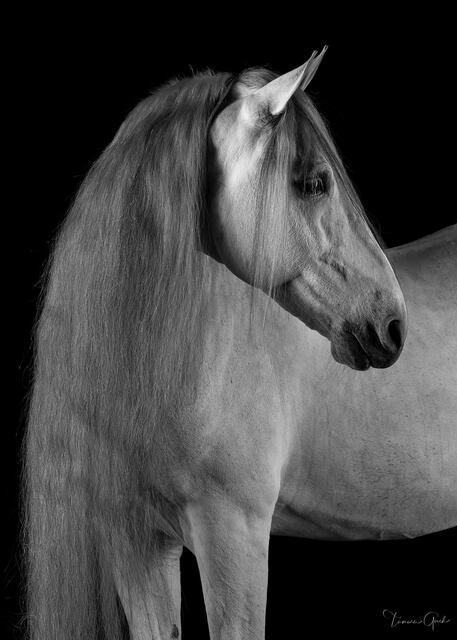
(175, 403)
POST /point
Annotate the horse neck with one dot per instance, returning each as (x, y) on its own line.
(428, 264)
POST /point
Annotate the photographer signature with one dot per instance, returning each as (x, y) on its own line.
(429, 619)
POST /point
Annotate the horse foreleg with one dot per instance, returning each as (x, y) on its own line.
(152, 603)
(231, 547)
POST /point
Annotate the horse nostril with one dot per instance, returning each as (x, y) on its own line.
(394, 332)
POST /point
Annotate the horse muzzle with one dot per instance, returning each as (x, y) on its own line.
(367, 345)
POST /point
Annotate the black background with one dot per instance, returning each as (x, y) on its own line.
(385, 87)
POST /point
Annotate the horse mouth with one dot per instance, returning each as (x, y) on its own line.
(348, 350)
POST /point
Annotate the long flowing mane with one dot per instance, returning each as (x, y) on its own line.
(116, 342)
(119, 342)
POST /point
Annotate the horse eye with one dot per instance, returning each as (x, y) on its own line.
(316, 186)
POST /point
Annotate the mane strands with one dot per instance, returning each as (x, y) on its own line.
(118, 340)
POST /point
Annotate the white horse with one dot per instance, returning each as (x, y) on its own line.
(176, 404)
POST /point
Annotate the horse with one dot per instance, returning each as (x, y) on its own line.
(182, 391)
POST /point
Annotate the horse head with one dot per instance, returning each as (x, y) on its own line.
(285, 218)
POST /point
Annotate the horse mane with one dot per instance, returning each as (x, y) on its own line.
(117, 341)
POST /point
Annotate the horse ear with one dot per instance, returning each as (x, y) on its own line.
(275, 95)
(312, 66)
